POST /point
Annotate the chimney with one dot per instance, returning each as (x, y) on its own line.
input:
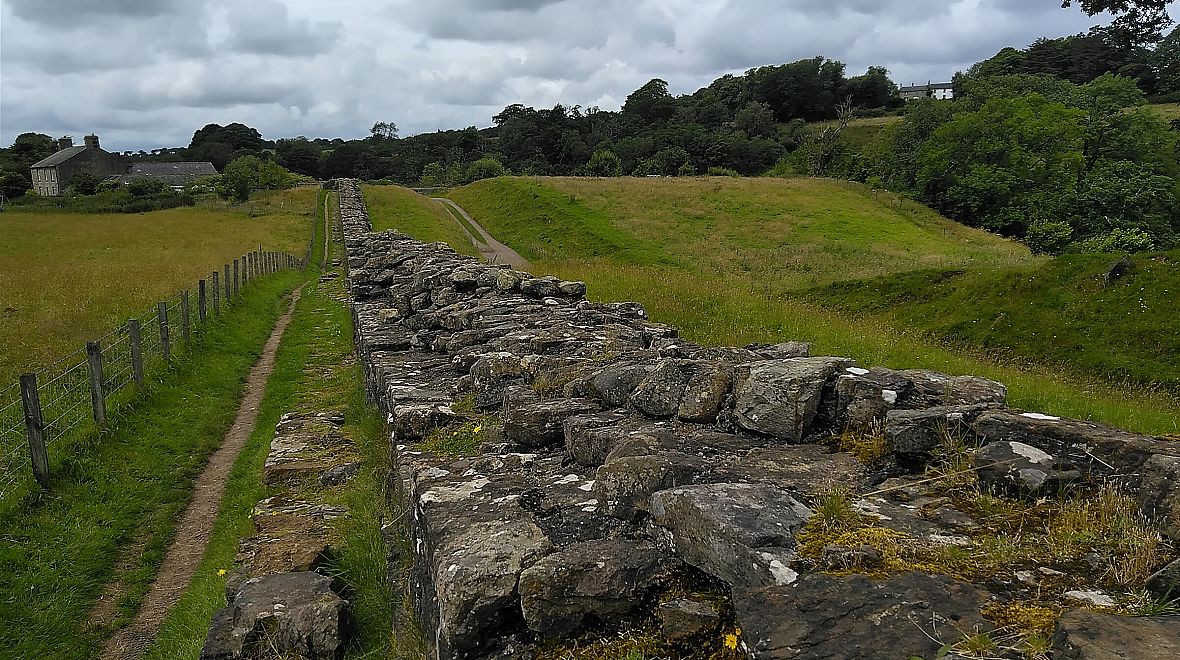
(64, 142)
(91, 141)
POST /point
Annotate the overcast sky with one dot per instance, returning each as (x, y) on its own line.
(148, 73)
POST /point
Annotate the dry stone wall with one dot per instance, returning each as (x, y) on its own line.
(572, 469)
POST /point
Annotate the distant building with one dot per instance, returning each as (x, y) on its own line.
(52, 175)
(940, 91)
(176, 175)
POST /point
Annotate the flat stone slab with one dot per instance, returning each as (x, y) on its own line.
(304, 446)
(1087, 635)
(856, 618)
(742, 533)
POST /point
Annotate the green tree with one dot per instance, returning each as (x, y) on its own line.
(433, 176)
(299, 155)
(756, 120)
(249, 173)
(1137, 21)
(604, 162)
(13, 184)
(384, 130)
(484, 168)
(651, 102)
(84, 182)
(872, 90)
(1009, 164)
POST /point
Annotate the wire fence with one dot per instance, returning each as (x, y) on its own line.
(50, 405)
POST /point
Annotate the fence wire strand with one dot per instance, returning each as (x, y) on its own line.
(65, 391)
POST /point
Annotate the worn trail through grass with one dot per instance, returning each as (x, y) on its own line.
(192, 535)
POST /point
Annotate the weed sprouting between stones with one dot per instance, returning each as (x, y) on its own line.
(462, 440)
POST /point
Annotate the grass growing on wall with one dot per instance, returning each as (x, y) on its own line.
(66, 278)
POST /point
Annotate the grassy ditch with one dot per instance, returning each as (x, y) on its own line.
(314, 372)
(124, 488)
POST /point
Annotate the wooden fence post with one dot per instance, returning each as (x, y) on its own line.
(227, 285)
(216, 294)
(35, 425)
(97, 399)
(165, 337)
(202, 303)
(186, 324)
(237, 277)
(134, 332)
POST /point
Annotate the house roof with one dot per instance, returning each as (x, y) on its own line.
(172, 169)
(928, 87)
(59, 157)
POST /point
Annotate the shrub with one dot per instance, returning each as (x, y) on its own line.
(1118, 240)
(484, 168)
(604, 162)
(723, 171)
(1048, 236)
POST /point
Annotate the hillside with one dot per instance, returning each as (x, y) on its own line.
(1058, 312)
(734, 261)
(790, 232)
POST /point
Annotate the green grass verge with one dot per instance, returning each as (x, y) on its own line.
(123, 487)
(394, 207)
(312, 373)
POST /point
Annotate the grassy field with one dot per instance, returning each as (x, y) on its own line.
(68, 278)
(394, 207)
(1168, 111)
(122, 489)
(861, 133)
(733, 261)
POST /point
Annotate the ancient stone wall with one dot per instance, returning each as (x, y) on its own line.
(573, 469)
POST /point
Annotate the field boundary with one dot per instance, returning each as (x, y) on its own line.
(82, 388)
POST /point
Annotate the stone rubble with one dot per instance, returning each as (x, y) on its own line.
(277, 602)
(624, 478)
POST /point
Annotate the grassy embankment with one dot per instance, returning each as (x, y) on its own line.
(733, 261)
(313, 372)
(66, 278)
(394, 207)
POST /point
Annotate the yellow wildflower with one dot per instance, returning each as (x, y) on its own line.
(221, 572)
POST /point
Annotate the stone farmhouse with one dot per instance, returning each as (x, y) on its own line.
(940, 91)
(52, 175)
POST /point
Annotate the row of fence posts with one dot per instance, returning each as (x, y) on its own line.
(220, 286)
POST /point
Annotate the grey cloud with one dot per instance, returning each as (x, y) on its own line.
(266, 26)
(61, 14)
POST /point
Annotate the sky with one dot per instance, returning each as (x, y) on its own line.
(144, 74)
